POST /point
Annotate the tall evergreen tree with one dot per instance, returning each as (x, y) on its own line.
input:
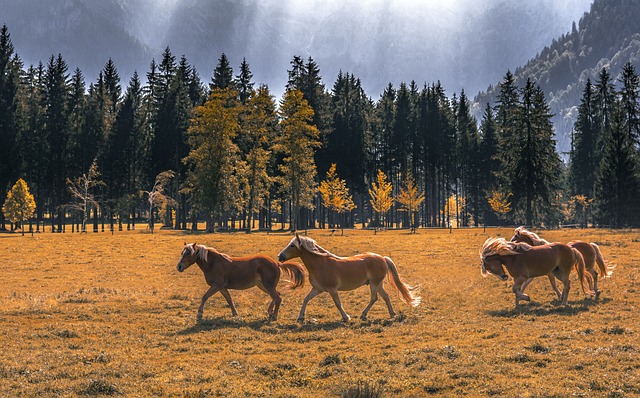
(222, 74)
(617, 182)
(10, 69)
(57, 133)
(534, 161)
(630, 101)
(297, 141)
(489, 163)
(244, 82)
(583, 162)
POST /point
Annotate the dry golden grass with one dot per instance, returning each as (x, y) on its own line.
(101, 314)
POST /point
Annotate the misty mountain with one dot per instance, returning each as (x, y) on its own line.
(462, 44)
(608, 36)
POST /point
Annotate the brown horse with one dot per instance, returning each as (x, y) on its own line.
(330, 273)
(590, 252)
(223, 272)
(524, 262)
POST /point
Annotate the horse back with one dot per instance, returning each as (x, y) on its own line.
(245, 272)
(540, 260)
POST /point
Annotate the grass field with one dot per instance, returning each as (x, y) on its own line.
(102, 314)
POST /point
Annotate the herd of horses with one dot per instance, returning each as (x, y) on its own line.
(525, 257)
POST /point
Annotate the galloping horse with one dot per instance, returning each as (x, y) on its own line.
(590, 252)
(223, 272)
(524, 262)
(331, 273)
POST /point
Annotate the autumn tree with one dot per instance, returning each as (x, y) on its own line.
(213, 155)
(499, 203)
(335, 194)
(381, 197)
(410, 199)
(297, 140)
(80, 189)
(19, 205)
(156, 197)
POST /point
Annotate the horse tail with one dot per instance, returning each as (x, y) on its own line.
(406, 291)
(605, 270)
(295, 271)
(586, 280)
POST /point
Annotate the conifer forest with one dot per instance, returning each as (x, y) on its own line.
(218, 151)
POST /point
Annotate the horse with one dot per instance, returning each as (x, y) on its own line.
(590, 252)
(524, 261)
(330, 273)
(223, 272)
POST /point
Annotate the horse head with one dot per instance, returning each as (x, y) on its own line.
(293, 249)
(190, 255)
(492, 265)
(490, 257)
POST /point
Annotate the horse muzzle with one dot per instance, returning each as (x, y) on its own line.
(282, 258)
(180, 268)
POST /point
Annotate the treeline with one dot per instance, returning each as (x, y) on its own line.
(228, 154)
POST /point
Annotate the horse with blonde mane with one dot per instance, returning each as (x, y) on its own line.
(223, 272)
(330, 273)
(524, 261)
(590, 252)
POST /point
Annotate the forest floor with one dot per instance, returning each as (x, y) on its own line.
(102, 314)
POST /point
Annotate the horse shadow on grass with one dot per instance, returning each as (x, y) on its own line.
(258, 325)
(545, 309)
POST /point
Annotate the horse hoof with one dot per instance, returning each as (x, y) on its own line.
(363, 317)
(347, 319)
(301, 320)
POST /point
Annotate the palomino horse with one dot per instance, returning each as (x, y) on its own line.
(590, 252)
(223, 272)
(524, 261)
(331, 273)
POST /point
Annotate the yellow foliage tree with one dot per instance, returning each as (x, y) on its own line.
(381, 198)
(20, 204)
(335, 194)
(499, 203)
(454, 207)
(410, 199)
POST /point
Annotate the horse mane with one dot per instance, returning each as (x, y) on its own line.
(202, 253)
(312, 246)
(502, 247)
(537, 241)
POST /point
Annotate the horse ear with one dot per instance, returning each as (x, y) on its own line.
(297, 237)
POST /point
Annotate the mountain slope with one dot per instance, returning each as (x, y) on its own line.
(607, 36)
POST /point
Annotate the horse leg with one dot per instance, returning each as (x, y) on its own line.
(336, 300)
(275, 301)
(525, 284)
(565, 290)
(518, 282)
(212, 290)
(387, 300)
(594, 274)
(372, 300)
(314, 292)
(227, 296)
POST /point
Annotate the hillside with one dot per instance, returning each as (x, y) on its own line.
(607, 36)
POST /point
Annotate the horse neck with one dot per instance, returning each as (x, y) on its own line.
(212, 259)
(309, 259)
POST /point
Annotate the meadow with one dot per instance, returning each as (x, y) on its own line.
(101, 314)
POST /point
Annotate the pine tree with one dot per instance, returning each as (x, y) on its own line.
(243, 82)
(617, 182)
(583, 167)
(507, 108)
(534, 163)
(9, 127)
(630, 101)
(19, 205)
(298, 139)
(489, 163)
(222, 74)
(57, 133)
